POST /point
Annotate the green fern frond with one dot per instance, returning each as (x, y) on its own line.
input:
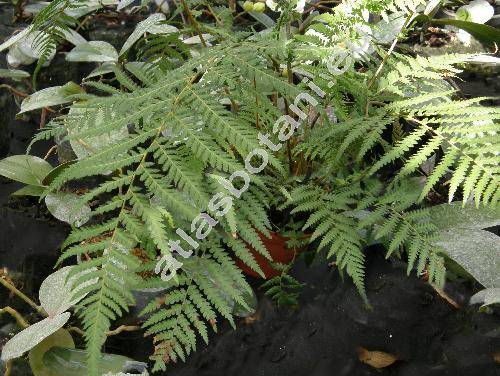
(407, 229)
(328, 216)
(206, 288)
(158, 175)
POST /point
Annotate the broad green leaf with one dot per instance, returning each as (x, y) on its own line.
(51, 96)
(263, 18)
(479, 11)
(29, 190)
(448, 216)
(163, 5)
(93, 51)
(73, 362)
(32, 336)
(105, 68)
(31, 47)
(57, 291)
(477, 251)
(14, 74)
(66, 207)
(88, 6)
(163, 28)
(197, 40)
(61, 338)
(16, 57)
(485, 60)
(149, 25)
(26, 169)
(486, 297)
(71, 89)
(432, 7)
(72, 36)
(484, 33)
(15, 38)
(55, 172)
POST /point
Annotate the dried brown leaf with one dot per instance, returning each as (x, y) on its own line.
(376, 359)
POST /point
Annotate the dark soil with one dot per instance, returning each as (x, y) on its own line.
(321, 337)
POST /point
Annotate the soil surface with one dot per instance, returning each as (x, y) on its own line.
(321, 337)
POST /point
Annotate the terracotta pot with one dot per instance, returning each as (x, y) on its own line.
(276, 247)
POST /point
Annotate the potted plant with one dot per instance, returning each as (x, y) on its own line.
(190, 153)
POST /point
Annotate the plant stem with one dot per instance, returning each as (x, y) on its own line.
(389, 52)
(217, 19)
(182, 14)
(51, 150)
(19, 10)
(445, 296)
(193, 22)
(13, 90)
(20, 320)
(12, 288)
(123, 328)
(76, 330)
(8, 367)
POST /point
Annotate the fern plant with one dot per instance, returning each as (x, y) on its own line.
(160, 180)
(185, 161)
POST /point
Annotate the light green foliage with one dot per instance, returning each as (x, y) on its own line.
(334, 227)
(463, 132)
(460, 134)
(395, 222)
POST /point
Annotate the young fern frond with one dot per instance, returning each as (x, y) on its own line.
(208, 287)
(283, 289)
(401, 227)
(334, 227)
